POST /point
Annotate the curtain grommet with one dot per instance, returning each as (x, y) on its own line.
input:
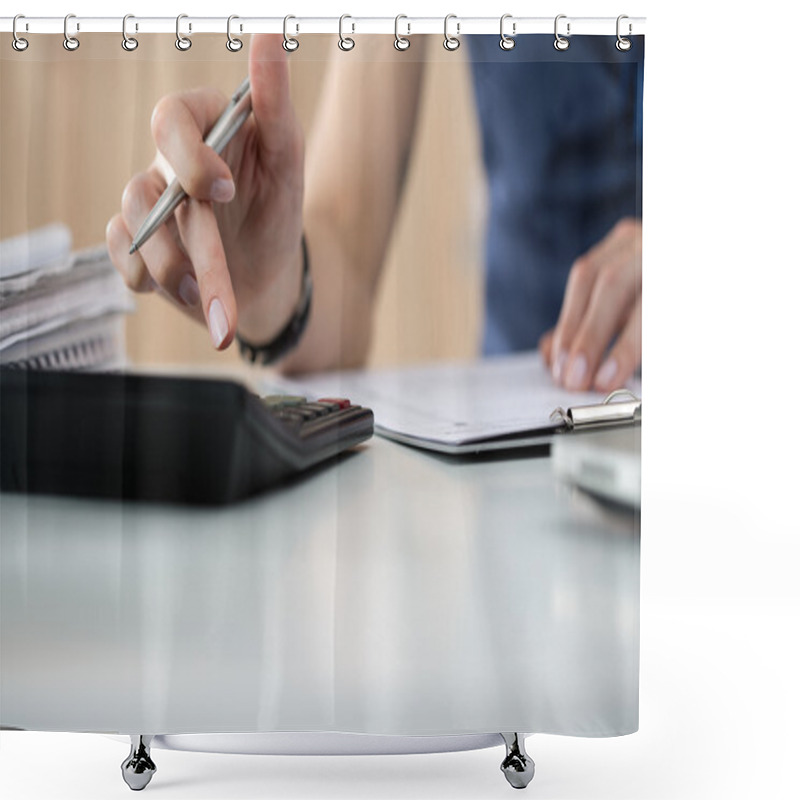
(622, 44)
(290, 44)
(346, 43)
(183, 43)
(17, 42)
(71, 43)
(561, 43)
(401, 43)
(507, 42)
(451, 43)
(233, 44)
(129, 43)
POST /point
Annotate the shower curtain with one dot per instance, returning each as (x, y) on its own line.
(451, 197)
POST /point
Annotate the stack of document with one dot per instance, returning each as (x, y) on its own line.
(59, 309)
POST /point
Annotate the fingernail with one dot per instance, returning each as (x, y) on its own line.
(606, 373)
(189, 291)
(222, 190)
(576, 373)
(217, 322)
(558, 365)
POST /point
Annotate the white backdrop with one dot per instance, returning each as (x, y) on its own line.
(720, 601)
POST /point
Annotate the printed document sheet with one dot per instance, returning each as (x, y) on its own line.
(453, 407)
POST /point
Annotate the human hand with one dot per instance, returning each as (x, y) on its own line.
(230, 256)
(603, 300)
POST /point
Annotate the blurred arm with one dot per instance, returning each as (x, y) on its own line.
(355, 168)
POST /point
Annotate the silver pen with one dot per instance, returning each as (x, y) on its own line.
(225, 128)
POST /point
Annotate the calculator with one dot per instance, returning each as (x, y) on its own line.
(157, 438)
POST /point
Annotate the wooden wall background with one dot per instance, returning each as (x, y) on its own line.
(75, 126)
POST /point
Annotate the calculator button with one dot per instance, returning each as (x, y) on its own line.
(281, 400)
(341, 402)
(321, 408)
(290, 415)
(306, 412)
(327, 404)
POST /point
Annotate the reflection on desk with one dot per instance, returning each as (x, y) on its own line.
(398, 594)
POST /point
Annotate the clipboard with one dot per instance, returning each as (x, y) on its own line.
(612, 412)
(492, 404)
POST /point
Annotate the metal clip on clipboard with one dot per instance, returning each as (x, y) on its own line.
(610, 412)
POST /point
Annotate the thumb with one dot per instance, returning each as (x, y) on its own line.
(269, 87)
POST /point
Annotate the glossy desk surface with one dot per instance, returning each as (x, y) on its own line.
(396, 593)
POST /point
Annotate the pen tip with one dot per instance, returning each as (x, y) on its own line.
(133, 249)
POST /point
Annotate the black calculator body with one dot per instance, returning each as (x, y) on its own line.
(146, 437)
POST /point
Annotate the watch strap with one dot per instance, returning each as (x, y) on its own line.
(290, 334)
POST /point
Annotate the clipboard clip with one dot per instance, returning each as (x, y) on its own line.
(612, 411)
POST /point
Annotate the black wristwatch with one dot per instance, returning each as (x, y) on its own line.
(292, 331)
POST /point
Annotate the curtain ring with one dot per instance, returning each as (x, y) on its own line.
(623, 44)
(183, 43)
(451, 43)
(507, 42)
(290, 44)
(400, 42)
(18, 43)
(129, 43)
(71, 43)
(561, 43)
(346, 43)
(233, 44)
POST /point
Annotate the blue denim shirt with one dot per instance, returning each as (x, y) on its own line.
(562, 146)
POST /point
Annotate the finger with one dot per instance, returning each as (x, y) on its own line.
(130, 266)
(546, 346)
(625, 356)
(613, 295)
(179, 124)
(576, 299)
(200, 234)
(623, 238)
(617, 284)
(165, 261)
(269, 84)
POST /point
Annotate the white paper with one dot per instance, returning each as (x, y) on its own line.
(101, 295)
(50, 276)
(88, 343)
(59, 309)
(33, 250)
(454, 404)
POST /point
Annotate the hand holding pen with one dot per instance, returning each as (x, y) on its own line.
(221, 239)
(223, 130)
